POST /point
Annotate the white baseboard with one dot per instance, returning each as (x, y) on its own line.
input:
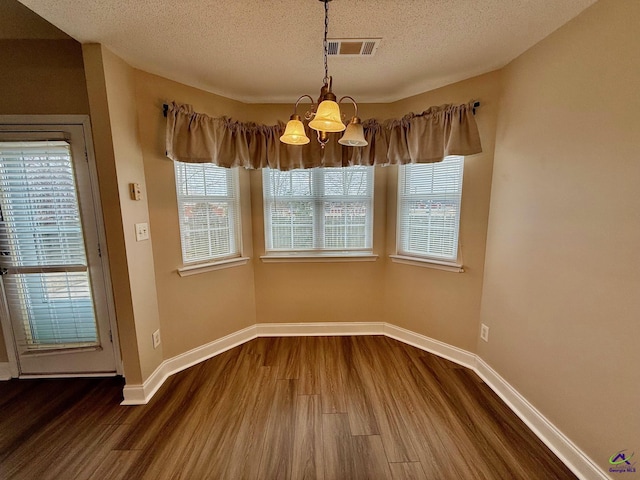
(574, 458)
(444, 350)
(141, 394)
(205, 352)
(319, 329)
(5, 371)
(579, 463)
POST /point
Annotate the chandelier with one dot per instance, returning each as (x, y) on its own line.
(324, 115)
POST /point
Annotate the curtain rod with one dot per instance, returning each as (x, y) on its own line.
(165, 108)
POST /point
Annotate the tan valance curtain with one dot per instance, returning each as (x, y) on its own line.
(416, 138)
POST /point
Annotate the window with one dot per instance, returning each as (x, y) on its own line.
(320, 210)
(429, 209)
(47, 280)
(209, 211)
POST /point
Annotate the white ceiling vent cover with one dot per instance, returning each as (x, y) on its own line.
(352, 47)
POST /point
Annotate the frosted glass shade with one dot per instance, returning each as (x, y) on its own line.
(294, 133)
(353, 136)
(327, 118)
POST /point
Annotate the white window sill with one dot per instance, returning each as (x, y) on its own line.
(324, 257)
(211, 266)
(427, 263)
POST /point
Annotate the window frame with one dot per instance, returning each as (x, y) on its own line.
(425, 259)
(317, 252)
(235, 254)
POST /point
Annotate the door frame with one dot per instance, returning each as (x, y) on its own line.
(83, 121)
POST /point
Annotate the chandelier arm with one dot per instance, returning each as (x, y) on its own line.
(295, 109)
(355, 105)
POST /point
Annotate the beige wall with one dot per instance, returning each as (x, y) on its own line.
(441, 304)
(198, 309)
(202, 308)
(319, 292)
(42, 77)
(431, 302)
(562, 283)
(111, 90)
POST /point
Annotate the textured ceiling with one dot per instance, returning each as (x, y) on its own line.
(271, 51)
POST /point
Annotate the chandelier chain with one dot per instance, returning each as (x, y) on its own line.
(324, 43)
(325, 117)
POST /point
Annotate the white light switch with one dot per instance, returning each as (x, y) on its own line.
(484, 332)
(142, 231)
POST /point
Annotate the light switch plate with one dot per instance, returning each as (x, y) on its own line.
(156, 338)
(142, 231)
(484, 332)
(135, 191)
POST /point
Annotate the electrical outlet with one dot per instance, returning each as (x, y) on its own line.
(484, 332)
(142, 231)
(156, 338)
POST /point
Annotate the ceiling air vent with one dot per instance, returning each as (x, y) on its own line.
(352, 47)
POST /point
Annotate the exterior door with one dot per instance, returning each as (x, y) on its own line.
(55, 302)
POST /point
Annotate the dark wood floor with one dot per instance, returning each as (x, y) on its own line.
(276, 408)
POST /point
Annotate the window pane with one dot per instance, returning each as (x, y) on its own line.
(429, 209)
(319, 209)
(345, 225)
(39, 204)
(40, 227)
(208, 209)
(292, 225)
(295, 183)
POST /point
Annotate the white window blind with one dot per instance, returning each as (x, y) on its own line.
(43, 256)
(209, 211)
(429, 209)
(319, 210)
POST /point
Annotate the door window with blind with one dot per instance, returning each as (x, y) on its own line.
(42, 231)
(209, 212)
(429, 198)
(319, 210)
(53, 279)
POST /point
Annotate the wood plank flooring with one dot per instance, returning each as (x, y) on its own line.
(276, 408)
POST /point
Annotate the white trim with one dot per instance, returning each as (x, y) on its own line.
(189, 270)
(319, 329)
(569, 453)
(5, 371)
(102, 239)
(576, 460)
(427, 263)
(141, 394)
(205, 352)
(328, 257)
(444, 350)
(9, 340)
